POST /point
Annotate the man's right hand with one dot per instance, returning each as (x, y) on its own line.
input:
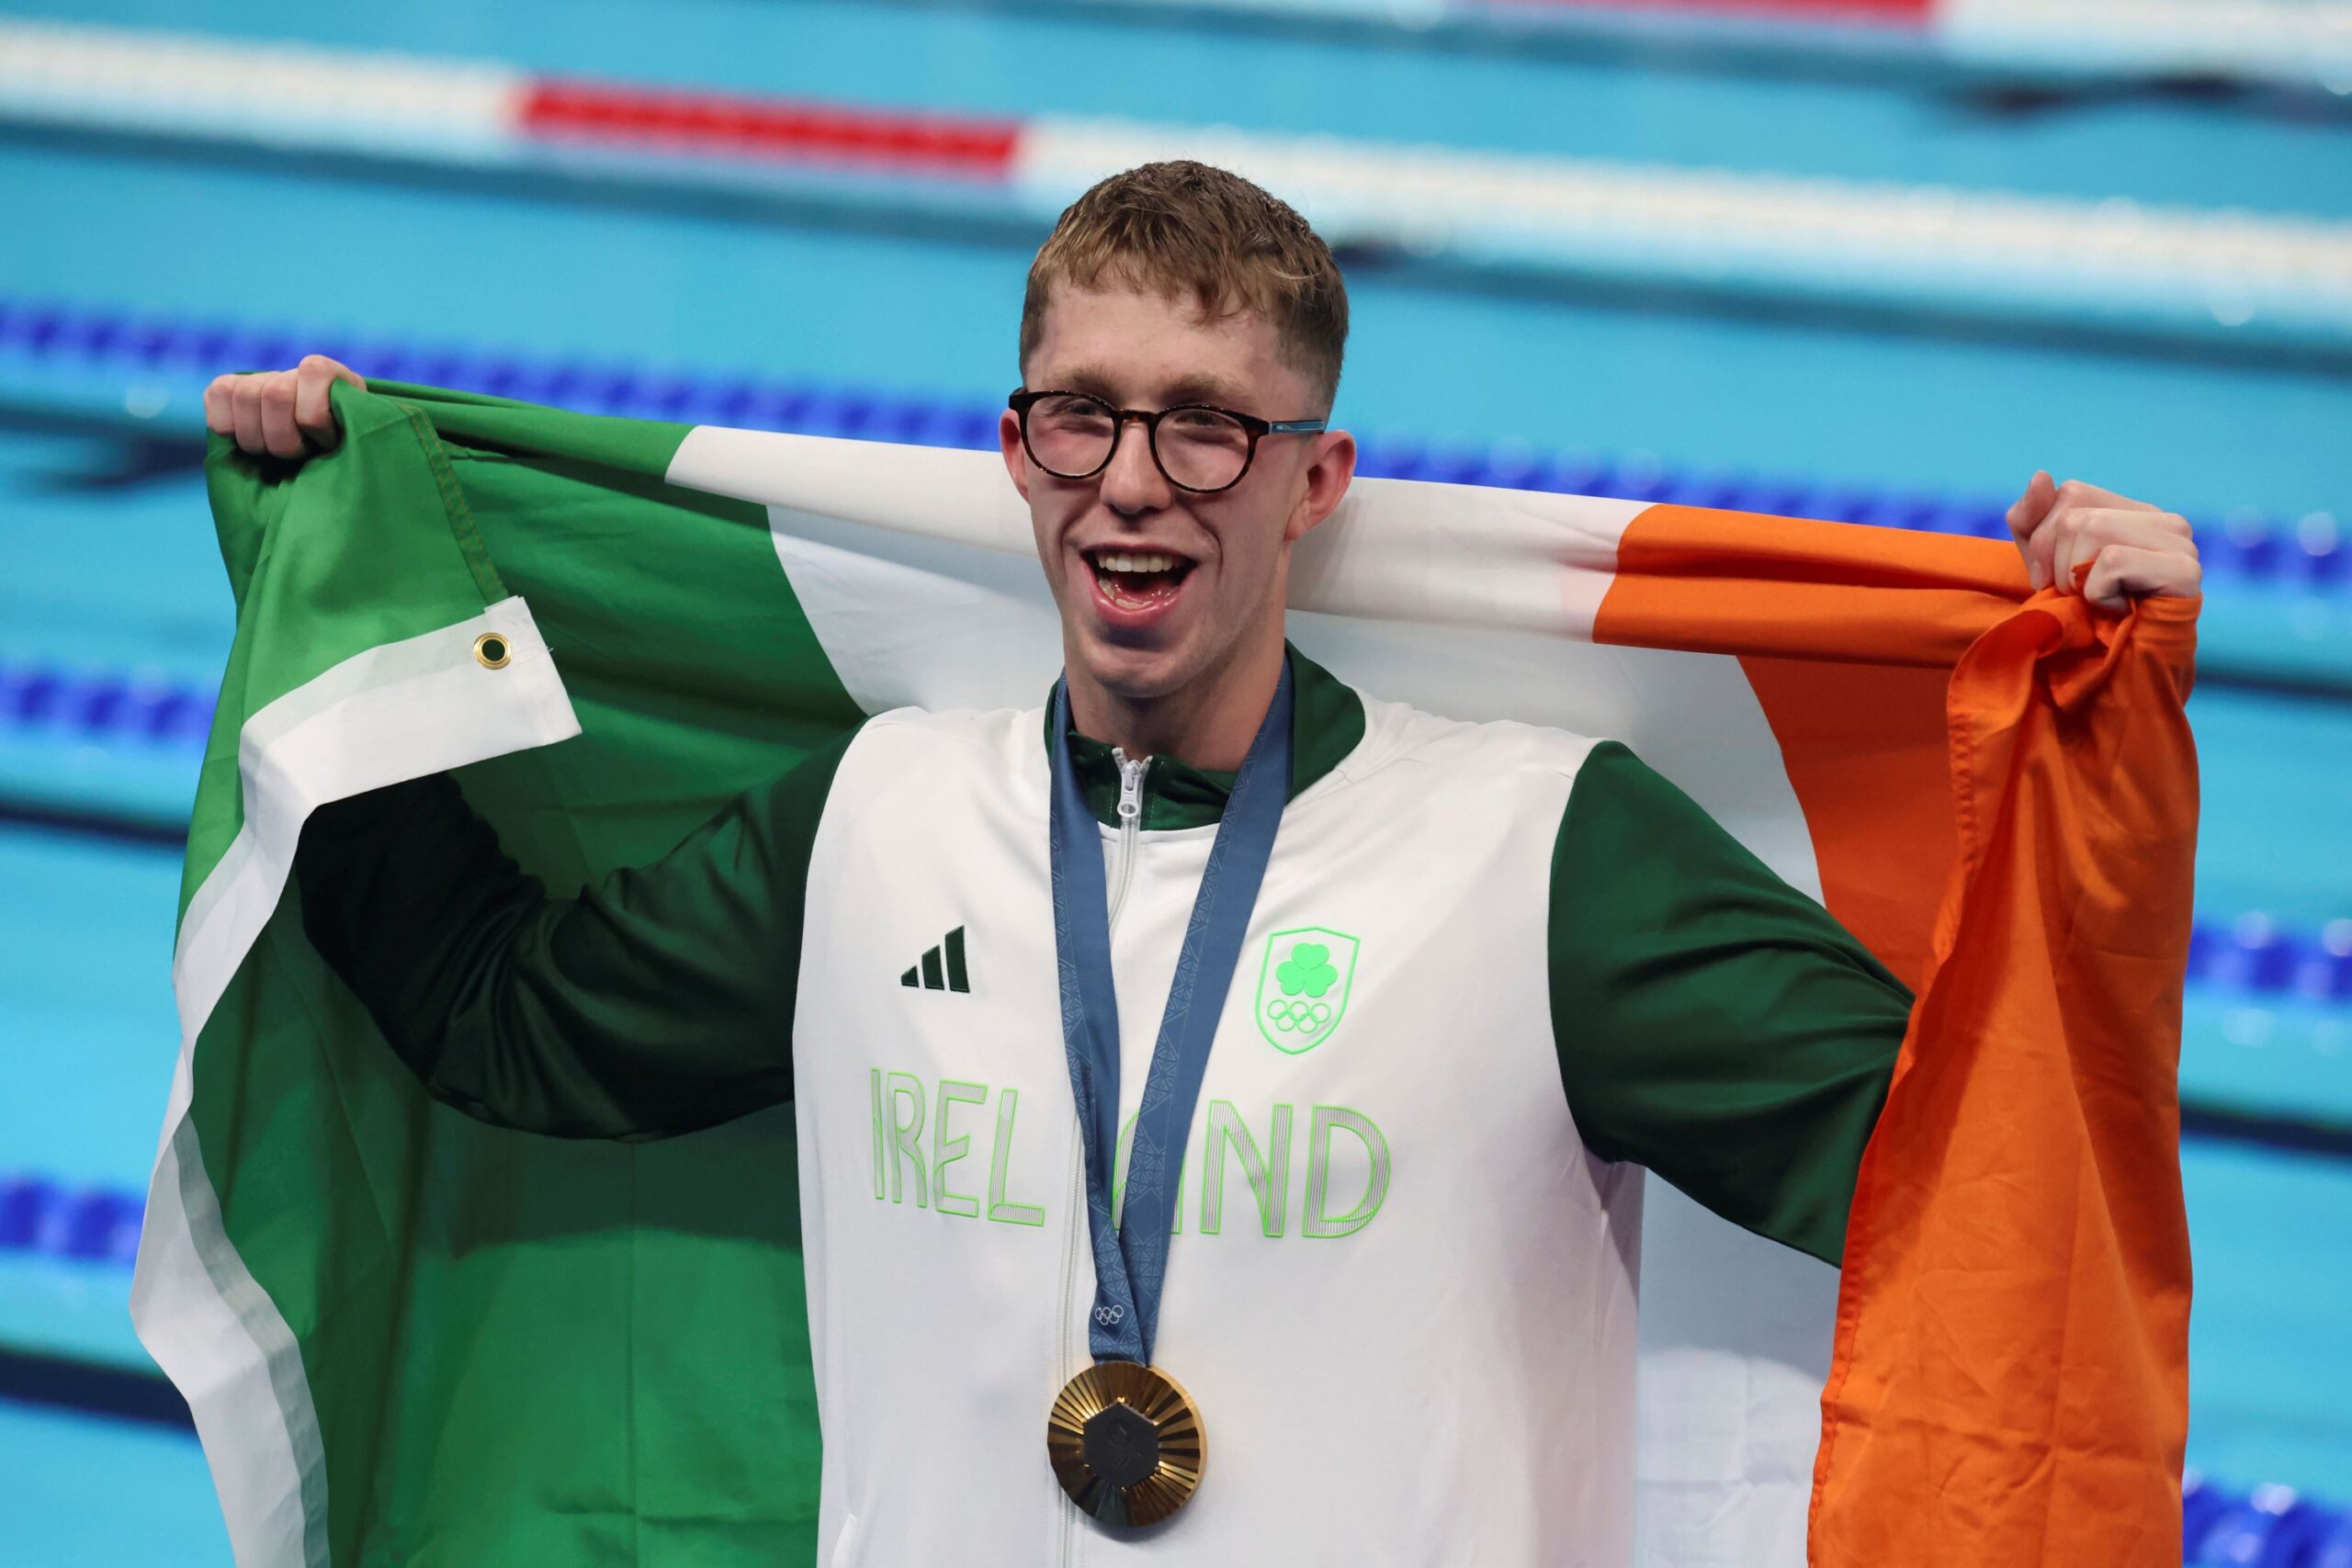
(283, 412)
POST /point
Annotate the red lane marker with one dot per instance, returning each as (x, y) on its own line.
(768, 128)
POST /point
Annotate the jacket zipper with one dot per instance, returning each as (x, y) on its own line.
(1132, 774)
(1131, 777)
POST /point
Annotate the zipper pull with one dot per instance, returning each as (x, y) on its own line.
(1131, 774)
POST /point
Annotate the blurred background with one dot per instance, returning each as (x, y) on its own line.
(1868, 259)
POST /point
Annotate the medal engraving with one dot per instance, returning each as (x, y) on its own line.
(1121, 1447)
(1126, 1443)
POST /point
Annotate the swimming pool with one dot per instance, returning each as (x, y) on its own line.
(109, 563)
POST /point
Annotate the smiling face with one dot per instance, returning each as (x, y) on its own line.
(1168, 594)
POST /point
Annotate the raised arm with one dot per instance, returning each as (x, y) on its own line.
(1713, 1024)
(657, 1002)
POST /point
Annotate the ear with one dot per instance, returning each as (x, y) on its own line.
(1016, 460)
(1330, 469)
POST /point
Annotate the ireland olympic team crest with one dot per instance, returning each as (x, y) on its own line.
(1303, 986)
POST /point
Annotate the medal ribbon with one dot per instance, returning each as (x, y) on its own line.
(1131, 1256)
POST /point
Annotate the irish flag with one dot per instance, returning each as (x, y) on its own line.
(409, 1337)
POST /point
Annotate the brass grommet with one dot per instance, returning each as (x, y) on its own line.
(493, 650)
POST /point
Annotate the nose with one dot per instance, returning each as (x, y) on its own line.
(1132, 482)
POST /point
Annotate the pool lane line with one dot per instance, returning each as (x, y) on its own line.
(62, 1238)
(2215, 1122)
(88, 822)
(92, 1388)
(2301, 50)
(2311, 685)
(832, 202)
(105, 1391)
(2252, 954)
(2209, 276)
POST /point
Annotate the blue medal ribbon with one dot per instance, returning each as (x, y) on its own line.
(1131, 1254)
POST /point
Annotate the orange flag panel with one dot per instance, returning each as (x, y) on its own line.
(2002, 797)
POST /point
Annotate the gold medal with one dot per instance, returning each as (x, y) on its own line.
(1126, 1443)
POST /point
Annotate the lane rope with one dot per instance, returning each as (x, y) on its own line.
(2264, 277)
(2307, 551)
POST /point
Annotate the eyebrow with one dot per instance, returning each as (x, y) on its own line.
(1184, 389)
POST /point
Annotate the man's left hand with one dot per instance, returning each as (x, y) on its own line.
(2128, 547)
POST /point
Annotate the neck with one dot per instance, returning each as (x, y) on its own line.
(1209, 723)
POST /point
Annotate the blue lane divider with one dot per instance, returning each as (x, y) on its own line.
(85, 1225)
(103, 706)
(2255, 953)
(2271, 1527)
(2306, 551)
(2251, 953)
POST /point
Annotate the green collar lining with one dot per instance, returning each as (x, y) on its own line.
(1327, 720)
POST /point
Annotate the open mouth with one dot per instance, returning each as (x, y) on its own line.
(1138, 580)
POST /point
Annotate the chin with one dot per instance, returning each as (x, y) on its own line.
(1133, 672)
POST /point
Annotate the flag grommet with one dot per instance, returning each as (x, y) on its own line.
(492, 650)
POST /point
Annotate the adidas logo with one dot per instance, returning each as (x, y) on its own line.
(937, 975)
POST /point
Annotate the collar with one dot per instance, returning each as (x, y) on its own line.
(1325, 722)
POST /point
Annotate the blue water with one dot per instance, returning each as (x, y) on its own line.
(93, 1494)
(104, 563)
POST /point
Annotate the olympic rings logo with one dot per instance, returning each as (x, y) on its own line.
(1298, 1017)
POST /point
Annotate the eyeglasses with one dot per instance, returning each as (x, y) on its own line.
(1197, 447)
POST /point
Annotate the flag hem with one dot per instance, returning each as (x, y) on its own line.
(404, 709)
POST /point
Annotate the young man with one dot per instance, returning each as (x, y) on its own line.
(1397, 1300)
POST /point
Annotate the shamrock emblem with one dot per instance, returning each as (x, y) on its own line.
(1301, 998)
(1308, 969)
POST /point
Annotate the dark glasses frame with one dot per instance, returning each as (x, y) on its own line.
(1023, 399)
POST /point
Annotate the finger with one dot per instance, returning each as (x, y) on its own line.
(2026, 518)
(2076, 534)
(313, 408)
(277, 427)
(2081, 492)
(2124, 573)
(2081, 535)
(2027, 510)
(2072, 548)
(244, 412)
(218, 418)
(2154, 530)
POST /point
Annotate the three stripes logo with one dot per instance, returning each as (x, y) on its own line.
(942, 968)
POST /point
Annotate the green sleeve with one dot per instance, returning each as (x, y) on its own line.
(1714, 1024)
(657, 1002)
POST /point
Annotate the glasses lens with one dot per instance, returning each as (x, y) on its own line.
(1070, 435)
(1201, 448)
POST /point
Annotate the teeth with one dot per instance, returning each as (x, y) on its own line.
(1113, 560)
